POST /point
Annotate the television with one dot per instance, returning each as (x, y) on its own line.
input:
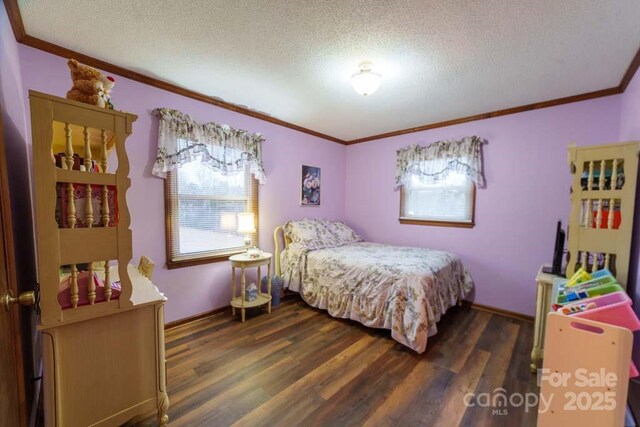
(558, 251)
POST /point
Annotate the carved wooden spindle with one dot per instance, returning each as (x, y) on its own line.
(589, 222)
(583, 260)
(590, 177)
(105, 206)
(107, 281)
(92, 285)
(614, 174)
(105, 190)
(103, 151)
(612, 205)
(584, 220)
(88, 209)
(594, 264)
(87, 149)
(68, 152)
(75, 297)
(601, 181)
(599, 214)
(607, 259)
(71, 205)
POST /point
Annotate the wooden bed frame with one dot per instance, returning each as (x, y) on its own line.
(278, 237)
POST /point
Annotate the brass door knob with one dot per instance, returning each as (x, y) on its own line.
(25, 298)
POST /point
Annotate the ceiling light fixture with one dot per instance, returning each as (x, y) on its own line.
(366, 81)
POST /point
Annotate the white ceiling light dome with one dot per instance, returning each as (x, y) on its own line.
(366, 81)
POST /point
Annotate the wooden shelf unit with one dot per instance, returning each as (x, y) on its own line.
(602, 194)
(111, 346)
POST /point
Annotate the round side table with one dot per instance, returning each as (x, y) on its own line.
(242, 261)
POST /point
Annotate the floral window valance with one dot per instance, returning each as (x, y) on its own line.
(434, 162)
(182, 140)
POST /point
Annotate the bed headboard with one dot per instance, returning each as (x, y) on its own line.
(279, 237)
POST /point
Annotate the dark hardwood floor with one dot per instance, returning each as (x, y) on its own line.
(298, 366)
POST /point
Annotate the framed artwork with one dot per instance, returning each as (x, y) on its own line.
(310, 186)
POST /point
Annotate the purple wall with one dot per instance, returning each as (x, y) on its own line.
(194, 290)
(527, 191)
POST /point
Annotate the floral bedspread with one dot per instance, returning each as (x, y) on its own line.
(402, 289)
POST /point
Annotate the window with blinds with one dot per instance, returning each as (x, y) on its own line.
(202, 213)
(447, 202)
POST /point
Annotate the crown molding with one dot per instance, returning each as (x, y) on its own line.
(631, 71)
(17, 25)
(22, 37)
(15, 19)
(161, 84)
(535, 106)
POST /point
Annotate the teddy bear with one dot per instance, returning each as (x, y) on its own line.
(89, 85)
(107, 82)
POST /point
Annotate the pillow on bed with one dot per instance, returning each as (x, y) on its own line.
(342, 233)
(320, 233)
(309, 231)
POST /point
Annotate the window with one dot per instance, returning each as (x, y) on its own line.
(449, 202)
(202, 208)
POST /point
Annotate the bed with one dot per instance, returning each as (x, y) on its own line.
(405, 290)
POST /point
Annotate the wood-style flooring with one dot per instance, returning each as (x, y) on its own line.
(299, 366)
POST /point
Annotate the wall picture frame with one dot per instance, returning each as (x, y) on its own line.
(310, 186)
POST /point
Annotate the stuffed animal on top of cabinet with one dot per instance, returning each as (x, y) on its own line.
(108, 83)
(90, 86)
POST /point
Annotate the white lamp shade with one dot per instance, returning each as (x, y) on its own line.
(366, 82)
(228, 221)
(246, 223)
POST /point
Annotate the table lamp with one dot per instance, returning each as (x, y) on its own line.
(228, 221)
(246, 226)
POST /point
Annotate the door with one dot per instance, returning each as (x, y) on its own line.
(13, 404)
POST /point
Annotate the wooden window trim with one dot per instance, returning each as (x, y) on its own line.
(429, 222)
(455, 224)
(190, 262)
(207, 259)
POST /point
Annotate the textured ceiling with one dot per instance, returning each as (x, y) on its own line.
(440, 60)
